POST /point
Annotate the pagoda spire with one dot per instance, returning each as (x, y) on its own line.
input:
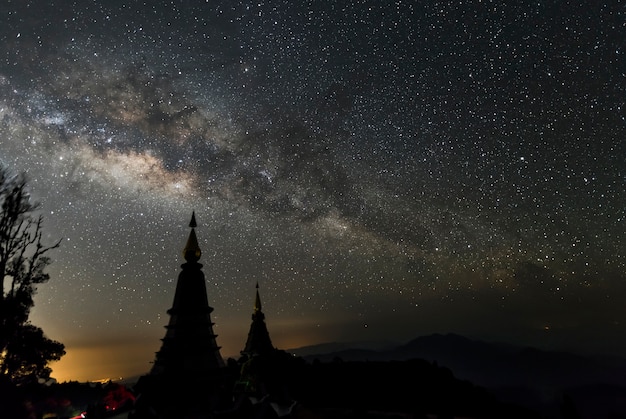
(192, 251)
(257, 300)
(259, 342)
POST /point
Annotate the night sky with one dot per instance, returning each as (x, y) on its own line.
(383, 169)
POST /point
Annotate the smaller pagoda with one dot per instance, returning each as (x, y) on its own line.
(259, 342)
(262, 389)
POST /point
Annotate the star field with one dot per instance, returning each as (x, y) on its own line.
(383, 169)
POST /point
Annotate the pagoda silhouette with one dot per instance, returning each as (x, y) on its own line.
(189, 347)
(189, 377)
(261, 390)
(259, 342)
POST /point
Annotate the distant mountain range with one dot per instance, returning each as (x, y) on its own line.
(483, 363)
(525, 375)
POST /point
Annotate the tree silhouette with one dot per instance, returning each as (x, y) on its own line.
(24, 349)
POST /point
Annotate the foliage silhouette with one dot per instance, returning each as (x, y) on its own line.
(24, 349)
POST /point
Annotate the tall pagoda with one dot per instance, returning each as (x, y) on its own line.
(189, 346)
(189, 377)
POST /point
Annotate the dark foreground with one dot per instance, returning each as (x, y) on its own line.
(289, 387)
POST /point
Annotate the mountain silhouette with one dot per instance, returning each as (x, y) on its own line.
(529, 376)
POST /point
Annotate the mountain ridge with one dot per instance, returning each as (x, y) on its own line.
(490, 364)
(541, 380)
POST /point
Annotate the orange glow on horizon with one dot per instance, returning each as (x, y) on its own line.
(96, 363)
(122, 360)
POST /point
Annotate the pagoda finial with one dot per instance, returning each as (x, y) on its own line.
(257, 300)
(192, 251)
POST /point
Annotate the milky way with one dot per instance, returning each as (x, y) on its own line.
(383, 169)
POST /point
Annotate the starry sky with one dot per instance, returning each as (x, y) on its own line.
(383, 169)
